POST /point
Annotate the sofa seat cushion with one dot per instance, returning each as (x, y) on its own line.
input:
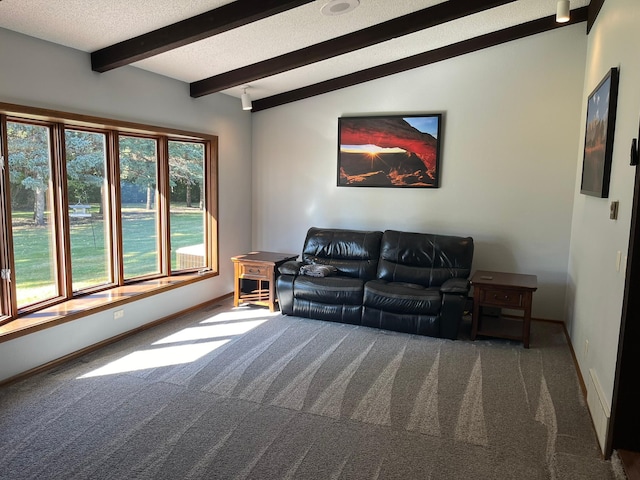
(332, 290)
(402, 297)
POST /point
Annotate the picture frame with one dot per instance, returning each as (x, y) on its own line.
(401, 151)
(599, 132)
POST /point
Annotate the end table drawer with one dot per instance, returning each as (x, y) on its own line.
(502, 298)
(254, 271)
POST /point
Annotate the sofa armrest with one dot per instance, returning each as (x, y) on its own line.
(455, 285)
(451, 314)
(284, 290)
(292, 267)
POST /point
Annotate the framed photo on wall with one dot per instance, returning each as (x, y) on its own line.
(389, 151)
(598, 141)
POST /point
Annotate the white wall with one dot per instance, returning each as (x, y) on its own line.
(42, 74)
(594, 302)
(510, 149)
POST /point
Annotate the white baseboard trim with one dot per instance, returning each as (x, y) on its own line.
(599, 408)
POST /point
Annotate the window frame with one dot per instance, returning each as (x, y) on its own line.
(109, 213)
(58, 229)
(208, 175)
(160, 205)
(59, 122)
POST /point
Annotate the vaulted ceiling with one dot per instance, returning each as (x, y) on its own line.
(283, 50)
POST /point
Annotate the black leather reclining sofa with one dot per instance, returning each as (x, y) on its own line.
(408, 282)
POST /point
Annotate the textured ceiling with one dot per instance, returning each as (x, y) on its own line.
(89, 25)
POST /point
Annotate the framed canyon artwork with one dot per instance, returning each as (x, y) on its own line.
(389, 151)
(598, 141)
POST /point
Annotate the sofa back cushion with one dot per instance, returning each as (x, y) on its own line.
(424, 259)
(354, 253)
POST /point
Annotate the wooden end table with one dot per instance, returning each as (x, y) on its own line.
(502, 290)
(260, 267)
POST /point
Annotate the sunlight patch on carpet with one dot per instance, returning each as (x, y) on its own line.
(157, 357)
(223, 326)
(241, 313)
(205, 332)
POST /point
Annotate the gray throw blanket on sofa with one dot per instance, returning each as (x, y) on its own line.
(315, 270)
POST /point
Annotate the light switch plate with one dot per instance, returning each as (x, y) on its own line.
(613, 210)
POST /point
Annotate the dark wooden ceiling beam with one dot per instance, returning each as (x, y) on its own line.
(382, 32)
(461, 48)
(594, 10)
(213, 22)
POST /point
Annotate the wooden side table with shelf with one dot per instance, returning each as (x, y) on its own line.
(499, 290)
(257, 268)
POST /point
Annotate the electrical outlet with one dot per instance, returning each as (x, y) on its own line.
(586, 348)
(118, 314)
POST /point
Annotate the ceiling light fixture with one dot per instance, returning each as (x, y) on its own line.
(339, 7)
(563, 11)
(246, 99)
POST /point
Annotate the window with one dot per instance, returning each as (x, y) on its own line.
(138, 206)
(90, 204)
(33, 228)
(187, 221)
(88, 195)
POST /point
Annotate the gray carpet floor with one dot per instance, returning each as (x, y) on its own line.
(227, 393)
